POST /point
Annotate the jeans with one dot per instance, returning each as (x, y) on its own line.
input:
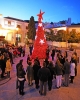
(59, 80)
(72, 78)
(43, 87)
(21, 87)
(67, 79)
(49, 84)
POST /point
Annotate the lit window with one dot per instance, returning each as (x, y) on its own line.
(18, 37)
(9, 22)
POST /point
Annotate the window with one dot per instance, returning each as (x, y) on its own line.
(18, 37)
(9, 22)
(6, 22)
(26, 27)
(12, 23)
(18, 26)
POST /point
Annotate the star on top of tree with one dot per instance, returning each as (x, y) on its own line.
(41, 41)
(40, 16)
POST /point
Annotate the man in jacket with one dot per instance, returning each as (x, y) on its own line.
(43, 75)
(67, 72)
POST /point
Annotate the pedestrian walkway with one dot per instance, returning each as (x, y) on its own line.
(8, 91)
(4, 80)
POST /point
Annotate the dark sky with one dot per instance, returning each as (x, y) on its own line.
(55, 10)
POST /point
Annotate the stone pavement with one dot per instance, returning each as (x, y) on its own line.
(8, 90)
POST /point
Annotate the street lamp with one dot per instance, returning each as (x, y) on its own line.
(17, 36)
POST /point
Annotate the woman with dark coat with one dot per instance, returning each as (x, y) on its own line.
(46, 61)
(36, 67)
(53, 54)
(30, 73)
(21, 77)
(51, 68)
(59, 73)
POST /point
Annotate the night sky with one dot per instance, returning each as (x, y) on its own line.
(55, 10)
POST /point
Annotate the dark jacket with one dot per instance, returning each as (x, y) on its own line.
(67, 67)
(2, 64)
(52, 71)
(36, 69)
(53, 52)
(17, 68)
(59, 69)
(21, 73)
(43, 74)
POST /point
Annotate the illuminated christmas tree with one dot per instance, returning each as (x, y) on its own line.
(40, 44)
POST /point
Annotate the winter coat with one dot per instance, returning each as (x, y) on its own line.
(2, 64)
(30, 72)
(44, 74)
(59, 69)
(51, 71)
(21, 73)
(53, 52)
(67, 67)
(8, 65)
(36, 68)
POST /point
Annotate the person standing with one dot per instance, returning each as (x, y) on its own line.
(59, 73)
(30, 73)
(53, 54)
(21, 78)
(20, 63)
(28, 58)
(23, 51)
(67, 72)
(43, 75)
(36, 67)
(47, 52)
(51, 68)
(8, 67)
(37, 59)
(75, 58)
(2, 65)
(46, 61)
(72, 70)
(30, 49)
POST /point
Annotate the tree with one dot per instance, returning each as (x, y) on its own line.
(50, 36)
(40, 44)
(78, 37)
(60, 36)
(31, 29)
(73, 37)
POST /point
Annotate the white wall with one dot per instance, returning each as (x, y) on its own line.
(63, 44)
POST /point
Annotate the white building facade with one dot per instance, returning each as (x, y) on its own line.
(12, 29)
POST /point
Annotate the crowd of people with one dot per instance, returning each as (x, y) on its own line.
(55, 68)
(7, 54)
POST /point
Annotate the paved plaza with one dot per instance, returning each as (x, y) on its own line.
(8, 89)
